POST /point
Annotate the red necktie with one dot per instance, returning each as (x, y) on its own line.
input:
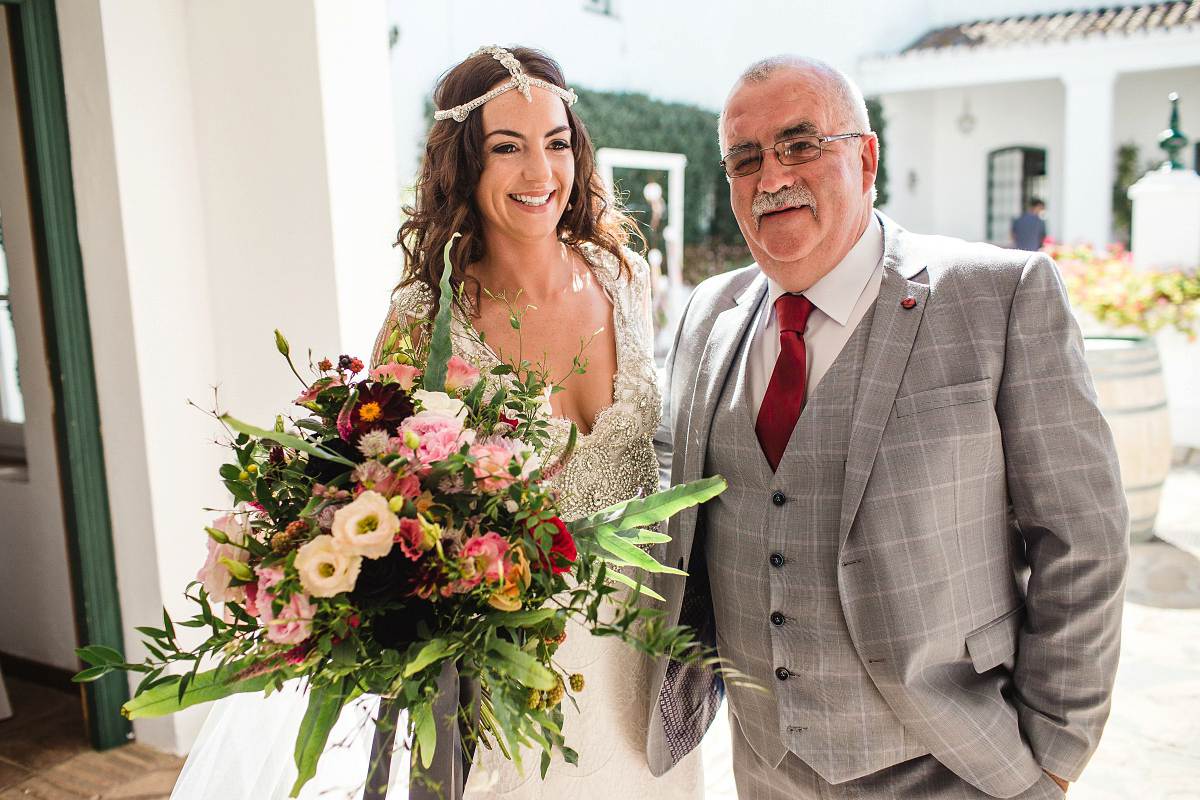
(785, 393)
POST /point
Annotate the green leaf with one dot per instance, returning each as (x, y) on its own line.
(439, 340)
(204, 687)
(646, 591)
(240, 491)
(520, 619)
(436, 649)
(324, 706)
(230, 472)
(643, 536)
(523, 667)
(642, 511)
(287, 440)
(425, 729)
(630, 554)
(100, 655)
(90, 674)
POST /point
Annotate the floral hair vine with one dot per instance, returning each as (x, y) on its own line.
(519, 81)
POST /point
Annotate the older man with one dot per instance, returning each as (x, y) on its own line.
(922, 550)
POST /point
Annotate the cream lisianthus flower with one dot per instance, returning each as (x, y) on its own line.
(441, 404)
(366, 526)
(326, 568)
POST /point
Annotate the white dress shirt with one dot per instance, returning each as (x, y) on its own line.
(840, 300)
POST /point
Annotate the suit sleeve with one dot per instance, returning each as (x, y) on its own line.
(1066, 497)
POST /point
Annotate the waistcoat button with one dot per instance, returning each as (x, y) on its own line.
(779, 498)
(776, 559)
(777, 619)
(782, 674)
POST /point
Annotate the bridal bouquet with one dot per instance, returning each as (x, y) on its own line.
(404, 523)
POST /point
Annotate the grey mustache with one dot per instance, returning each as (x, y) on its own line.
(787, 197)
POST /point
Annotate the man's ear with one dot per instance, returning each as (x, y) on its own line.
(870, 160)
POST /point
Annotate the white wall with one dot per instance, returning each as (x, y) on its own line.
(673, 50)
(951, 166)
(233, 174)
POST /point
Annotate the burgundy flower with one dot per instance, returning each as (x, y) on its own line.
(378, 407)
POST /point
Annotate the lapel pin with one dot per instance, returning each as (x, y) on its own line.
(909, 302)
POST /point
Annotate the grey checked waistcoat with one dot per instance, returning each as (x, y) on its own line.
(774, 615)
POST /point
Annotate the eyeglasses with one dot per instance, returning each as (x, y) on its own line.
(800, 150)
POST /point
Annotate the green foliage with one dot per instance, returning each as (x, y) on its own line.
(633, 121)
(879, 125)
(1125, 175)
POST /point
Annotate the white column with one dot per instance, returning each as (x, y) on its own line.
(1088, 156)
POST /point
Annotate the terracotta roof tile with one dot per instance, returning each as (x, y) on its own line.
(1061, 26)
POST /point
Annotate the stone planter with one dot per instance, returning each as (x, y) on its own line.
(1133, 399)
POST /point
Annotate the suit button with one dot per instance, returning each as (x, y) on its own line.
(779, 498)
(782, 674)
(777, 619)
(776, 559)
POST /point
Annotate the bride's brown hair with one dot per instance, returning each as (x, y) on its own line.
(450, 172)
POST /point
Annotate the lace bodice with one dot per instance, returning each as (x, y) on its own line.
(615, 461)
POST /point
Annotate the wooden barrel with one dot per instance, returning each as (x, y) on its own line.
(1133, 399)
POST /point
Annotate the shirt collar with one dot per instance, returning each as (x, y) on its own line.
(837, 292)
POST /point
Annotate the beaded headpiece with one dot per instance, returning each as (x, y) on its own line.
(519, 81)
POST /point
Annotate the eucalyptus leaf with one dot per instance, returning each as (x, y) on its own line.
(287, 440)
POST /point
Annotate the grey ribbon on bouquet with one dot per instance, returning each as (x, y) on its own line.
(457, 701)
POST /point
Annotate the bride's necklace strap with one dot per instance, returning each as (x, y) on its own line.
(519, 81)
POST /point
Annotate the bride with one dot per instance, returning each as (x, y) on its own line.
(509, 166)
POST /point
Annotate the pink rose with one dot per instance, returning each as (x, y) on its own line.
(293, 623)
(439, 436)
(491, 466)
(215, 575)
(482, 558)
(459, 373)
(403, 374)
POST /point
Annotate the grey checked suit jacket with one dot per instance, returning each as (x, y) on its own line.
(977, 457)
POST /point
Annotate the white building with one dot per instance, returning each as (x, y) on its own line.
(180, 177)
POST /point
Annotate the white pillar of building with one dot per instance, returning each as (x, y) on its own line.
(233, 169)
(1166, 220)
(1088, 155)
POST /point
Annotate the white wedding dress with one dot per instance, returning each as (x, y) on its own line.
(244, 751)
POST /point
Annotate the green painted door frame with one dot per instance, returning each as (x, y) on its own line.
(33, 29)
